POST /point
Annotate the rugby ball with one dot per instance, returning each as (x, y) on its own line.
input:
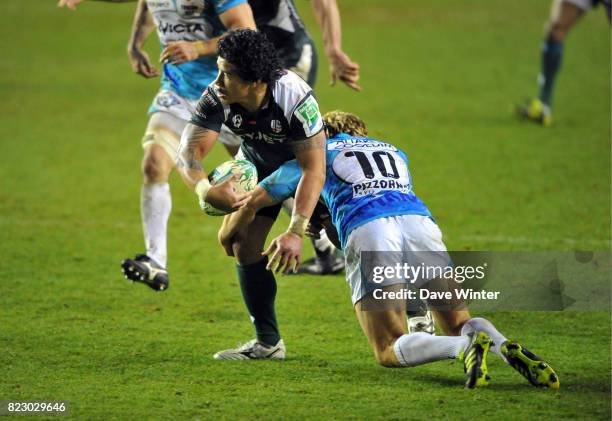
(246, 181)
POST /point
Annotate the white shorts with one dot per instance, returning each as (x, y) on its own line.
(173, 112)
(303, 67)
(403, 233)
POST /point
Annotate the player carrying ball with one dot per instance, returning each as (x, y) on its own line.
(276, 115)
(368, 191)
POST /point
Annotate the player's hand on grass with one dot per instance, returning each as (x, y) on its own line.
(139, 60)
(70, 4)
(343, 68)
(178, 52)
(223, 196)
(286, 251)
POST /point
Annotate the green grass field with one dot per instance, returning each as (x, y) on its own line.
(439, 79)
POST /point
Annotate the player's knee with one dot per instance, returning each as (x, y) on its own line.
(246, 253)
(558, 31)
(156, 165)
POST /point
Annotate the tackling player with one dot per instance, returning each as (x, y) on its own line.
(277, 116)
(386, 219)
(564, 14)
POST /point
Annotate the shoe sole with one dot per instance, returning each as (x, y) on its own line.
(478, 375)
(237, 356)
(334, 270)
(537, 371)
(133, 273)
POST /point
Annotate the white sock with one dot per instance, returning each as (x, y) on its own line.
(478, 323)
(323, 246)
(421, 348)
(155, 207)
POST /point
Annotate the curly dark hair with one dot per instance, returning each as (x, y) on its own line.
(252, 54)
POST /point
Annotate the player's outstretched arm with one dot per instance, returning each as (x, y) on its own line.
(340, 64)
(142, 27)
(240, 16)
(71, 4)
(286, 249)
(196, 143)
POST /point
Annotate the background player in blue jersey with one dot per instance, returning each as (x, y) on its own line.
(368, 191)
(564, 14)
(188, 31)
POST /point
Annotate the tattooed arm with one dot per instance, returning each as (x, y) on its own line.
(196, 143)
(310, 155)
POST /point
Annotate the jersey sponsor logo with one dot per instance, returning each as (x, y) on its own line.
(355, 143)
(308, 113)
(179, 28)
(276, 126)
(237, 120)
(259, 136)
(377, 186)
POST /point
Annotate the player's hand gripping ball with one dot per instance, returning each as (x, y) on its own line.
(245, 182)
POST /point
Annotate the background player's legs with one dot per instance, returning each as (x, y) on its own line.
(156, 202)
(258, 284)
(160, 145)
(563, 17)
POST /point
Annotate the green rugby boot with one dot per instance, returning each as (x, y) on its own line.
(533, 368)
(474, 359)
(536, 111)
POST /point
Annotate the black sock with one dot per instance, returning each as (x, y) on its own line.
(552, 53)
(259, 291)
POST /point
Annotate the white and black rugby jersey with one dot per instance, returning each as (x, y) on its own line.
(290, 114)
(279, 20)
